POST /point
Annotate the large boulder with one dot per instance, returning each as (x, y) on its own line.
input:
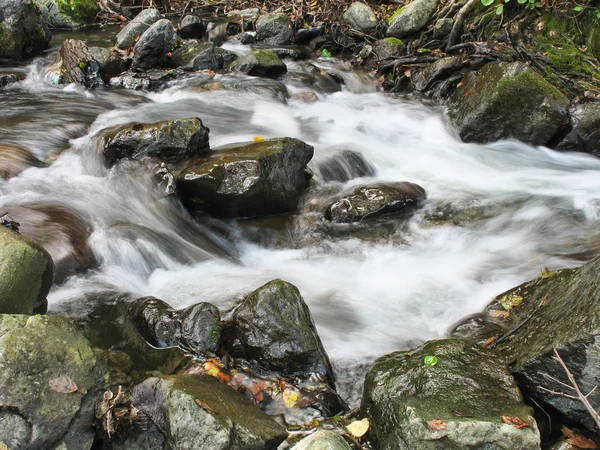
(374, 201)
(559, 309)
(322, 440)
(249, 179)
(196, 329)
(51, 381)
(198, 411)
(134, 29)
(23, 32)
(155, 46)
(26, 274)
(195, 55)
(274, 29)
(68, 14)
(260, 63)
(585, 133)
(273, 326)
(483, 107)
(411, 18)
(361, 17)
(170, 140)
(447, 394)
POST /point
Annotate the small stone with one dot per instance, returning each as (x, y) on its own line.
(442, 28)
(411, 18)
(361, 17)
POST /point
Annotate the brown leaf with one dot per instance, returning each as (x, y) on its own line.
(515, 421)
(489, 341)
(435, 424)
(63, 384)
(206, 408)
(577, 440)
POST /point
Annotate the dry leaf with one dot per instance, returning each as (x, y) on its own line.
(489, 341)
(515, 422)
(358, 428)
(3, 446)
(435, 424)
(63, 384)
(206, 408)
(577, 440)
(290, 397)
(499, 314)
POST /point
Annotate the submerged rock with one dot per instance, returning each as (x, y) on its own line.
(249, 179)
(169, 140)
(23, 32)
(561, 309)
(483, 108)
(374, 201)
(344, 166)
(274, 29)
(26, 274)
(322, 440)
(7, 78)
(260, 63)
(51, 381)
(192, 27)
(197, 328)
(14, 160)
(154, 47)
(134, 29)
(361, 17)
(195, 55)
(411, 18)
(273, 326)
(461, 400)
(198, 409)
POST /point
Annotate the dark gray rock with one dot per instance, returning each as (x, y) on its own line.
(153, 48)
(195, 55)
(468, 390)
(192, 27)
(250, 179)
(585, 133)
(274, 29)
(273, 327)
(305, 35)
(170, 140)
(424, 79)
(344, 166)
(374, 201)
(482, 109)
(109, 62)
(260, 63)
(127, 36)
(23, 32)
(7, 78)
(411, 18)
(196, 329)
(361, 17)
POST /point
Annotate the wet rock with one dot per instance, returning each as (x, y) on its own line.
(127, 36)
(424, 79)
(169, 140)
(273, 326)
(322, 440)
(274, 29)
(442, 28)
(344, 166)
(61, 231)
(26, 274)
(386, 48)
(260, 63)
(14, 160)
(411, 18)
(7, 78)
(374, 201)
(585, 133)
(539, 315)
(292, 51)
(189, 410)
(155, 45)
(196, 329)
(361, 17)
(78, 65)
(38, 410)
(226, 56)
(23, 32)
(68, 14)
(262, 86)
(192, 27)
(306, 35)
(321, 82)
(150, 80)
(482, 109)
(109, 62)
(195, 55)
(245, 38)
(456, 403)
(250, 179)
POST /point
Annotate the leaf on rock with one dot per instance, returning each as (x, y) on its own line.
(290, 397)
(548, 273)
(509, 302)
(515, 422)
(206, 408)
(499, 314)
(430, 360)
(63, 384)
(577, 440)
(437, 425)
(258, 138)
(358, 428)
(489, 341)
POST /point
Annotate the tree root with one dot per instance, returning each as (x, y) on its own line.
(459, 21)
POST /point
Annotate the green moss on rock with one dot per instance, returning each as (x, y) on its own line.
(80, 11)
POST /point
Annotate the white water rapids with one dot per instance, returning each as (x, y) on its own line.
(367, 296)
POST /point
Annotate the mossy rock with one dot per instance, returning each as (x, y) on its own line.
(23, 32)
(464, 396)
(79, 11)
(260, 63)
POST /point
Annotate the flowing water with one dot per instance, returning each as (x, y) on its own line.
(494, 217)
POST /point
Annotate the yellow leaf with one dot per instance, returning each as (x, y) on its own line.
(258, 138)
(3, 446)
(358, 428)
(290, 397)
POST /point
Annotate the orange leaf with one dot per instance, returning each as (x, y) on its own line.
(515, 421)
(435, 424)
(206, 408)
(63, 384)
(577, 440)
(489, 341)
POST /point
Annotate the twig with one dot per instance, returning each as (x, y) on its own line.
(514, 330)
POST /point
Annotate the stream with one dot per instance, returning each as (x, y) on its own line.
(494, 217)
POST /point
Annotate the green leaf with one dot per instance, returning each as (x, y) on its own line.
(521, 1)
(578, 8)
(325, 53)
(423, 50)
(598, 15)
(509, 302)
(430, 360)
(487, 2)
(500, 10)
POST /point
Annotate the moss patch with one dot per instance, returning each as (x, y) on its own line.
(396, 14)
(80, 11)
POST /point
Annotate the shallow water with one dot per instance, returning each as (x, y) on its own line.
(515, 209)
